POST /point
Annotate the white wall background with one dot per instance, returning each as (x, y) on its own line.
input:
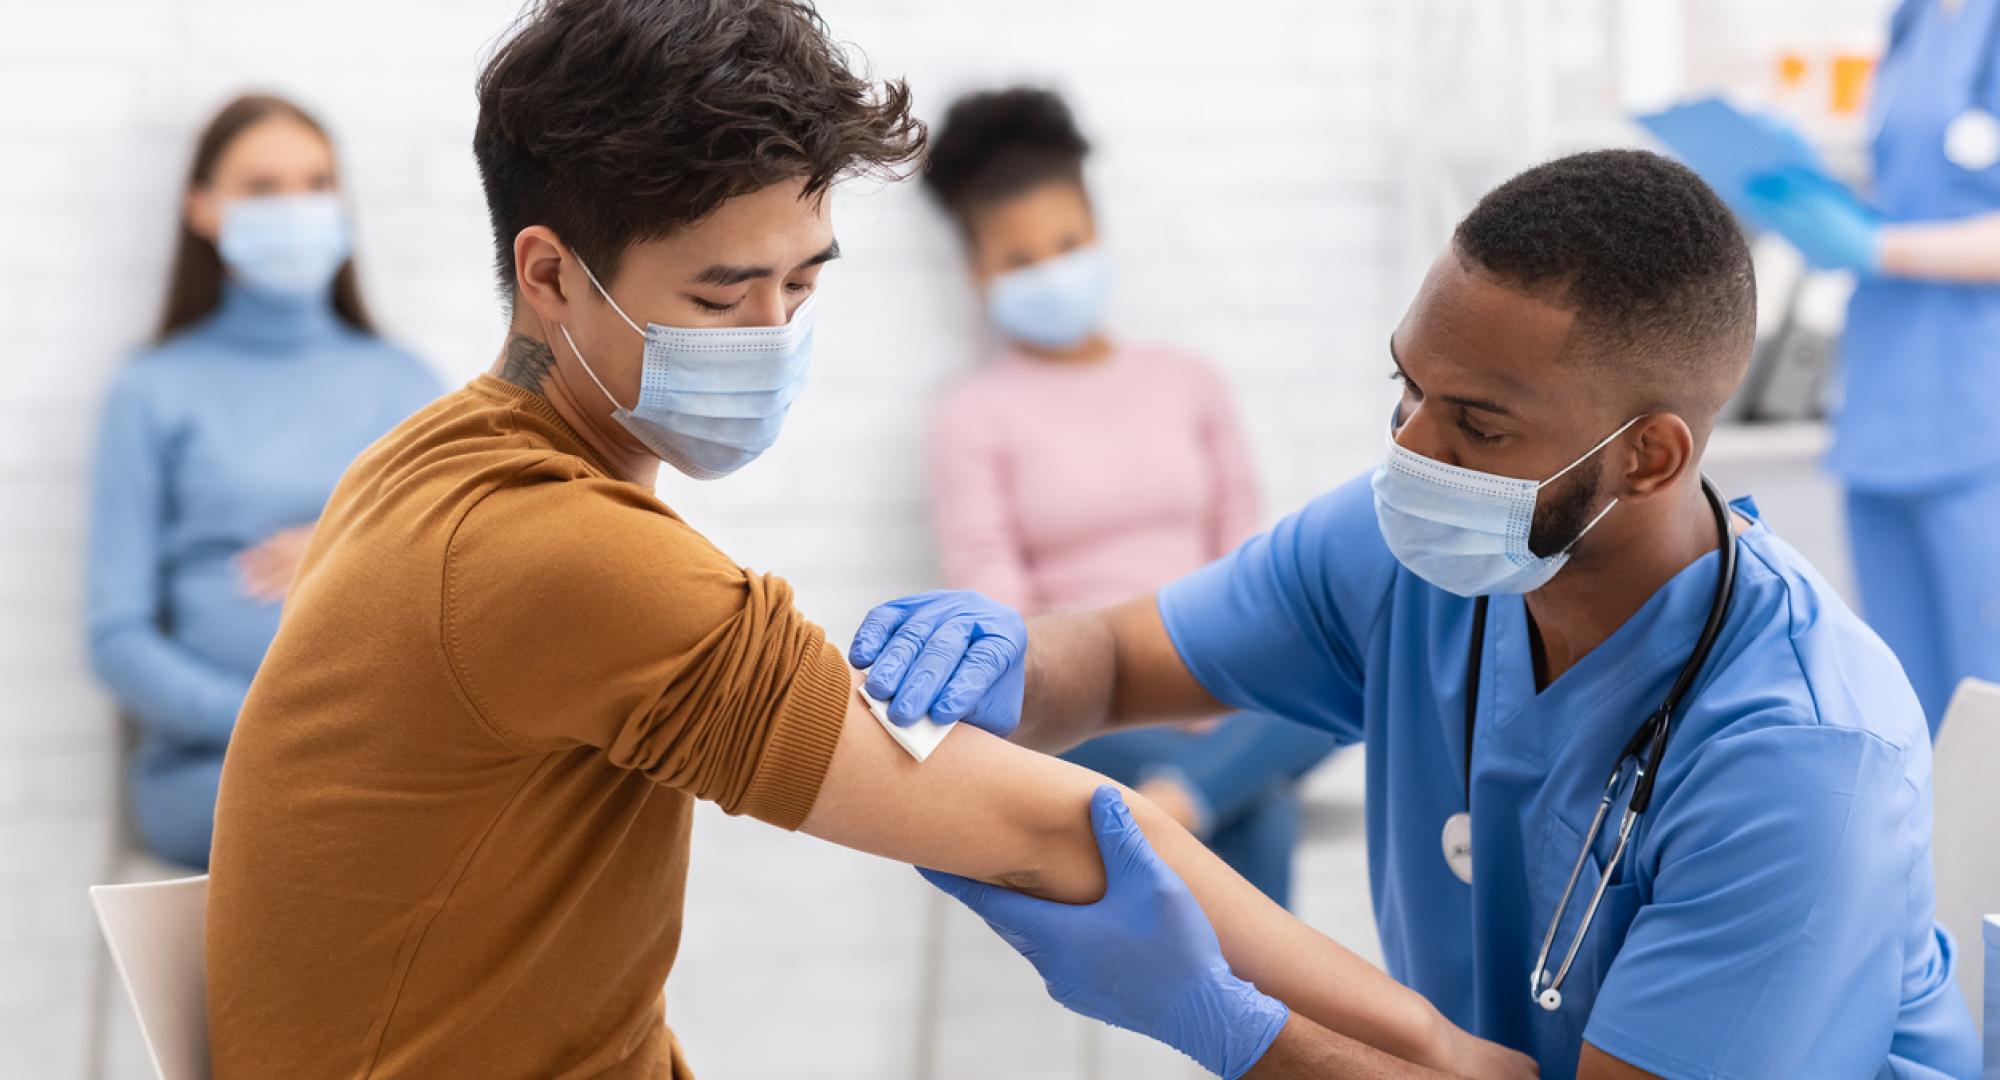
(1251, 174)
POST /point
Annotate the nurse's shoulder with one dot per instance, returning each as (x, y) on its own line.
(1335, 547)
(1804, 724)
(1809, 647)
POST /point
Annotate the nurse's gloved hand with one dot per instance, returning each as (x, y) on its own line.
(952, 655)
(1819, 218)
(1143, 958)
(1780, 130)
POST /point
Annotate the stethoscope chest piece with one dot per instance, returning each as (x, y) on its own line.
(1972, 140)
(1458, 845)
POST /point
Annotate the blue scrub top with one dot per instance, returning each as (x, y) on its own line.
(1921, 360)
(1773, 917)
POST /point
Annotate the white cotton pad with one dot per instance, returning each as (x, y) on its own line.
(919, 738)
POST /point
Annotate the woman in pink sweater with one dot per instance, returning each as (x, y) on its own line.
(1075, 471)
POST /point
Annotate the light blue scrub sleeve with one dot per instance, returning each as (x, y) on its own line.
(1280, 624)
(1780, 857)
(173, 691)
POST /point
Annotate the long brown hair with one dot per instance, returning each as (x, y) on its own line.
(194, 288)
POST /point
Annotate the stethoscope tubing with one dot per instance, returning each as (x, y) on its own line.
(1646, 748)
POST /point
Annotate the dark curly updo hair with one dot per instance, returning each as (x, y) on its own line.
(617, 121)
(1000, 143)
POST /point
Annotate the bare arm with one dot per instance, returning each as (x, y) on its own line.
(1307, 1051)
(1965, 250)
(1092, 671)
(985, 809)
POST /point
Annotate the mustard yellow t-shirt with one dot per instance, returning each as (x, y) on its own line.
(452, 835)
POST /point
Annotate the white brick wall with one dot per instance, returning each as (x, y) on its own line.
(1248, 176)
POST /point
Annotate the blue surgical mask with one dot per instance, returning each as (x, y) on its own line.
(1466, 531)
(711, 400)
(285, 245)
(1056, 303)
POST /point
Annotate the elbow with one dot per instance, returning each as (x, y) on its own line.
(115, 649)
(1068, 862)
(1062, 860)
(1032, 880)
(103, 645)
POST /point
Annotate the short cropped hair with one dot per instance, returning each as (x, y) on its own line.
(996, 144)
(1651, 262)
(617, 121)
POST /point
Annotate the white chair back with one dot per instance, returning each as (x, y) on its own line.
(1964, 855)
(156, 932)
(1992, 1067)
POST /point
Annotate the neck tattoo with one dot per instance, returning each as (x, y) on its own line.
(527, 362)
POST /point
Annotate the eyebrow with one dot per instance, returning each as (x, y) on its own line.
(1482, 404)
(726, 275)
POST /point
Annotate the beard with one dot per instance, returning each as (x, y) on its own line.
(1562, 515)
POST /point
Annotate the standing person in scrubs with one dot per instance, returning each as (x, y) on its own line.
(1917, 433)
(1562, 367)
(221, 443)
(1074, 469)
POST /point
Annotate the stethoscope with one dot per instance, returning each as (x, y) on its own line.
(1650, 739)
(1972, 138)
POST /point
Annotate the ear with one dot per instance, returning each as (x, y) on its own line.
(1662, 450)
(203, 213)
(539, 268)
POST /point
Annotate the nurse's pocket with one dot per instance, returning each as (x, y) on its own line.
(1560, 843)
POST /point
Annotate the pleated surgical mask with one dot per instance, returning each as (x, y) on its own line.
(1466, 531)
(711, 399)
(285, 245)
(1054, 304)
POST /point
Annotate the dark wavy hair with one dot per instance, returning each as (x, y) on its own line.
(194, 285)
(617, 121)
(1000, 143)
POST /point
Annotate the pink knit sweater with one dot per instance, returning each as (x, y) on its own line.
(1058, 485)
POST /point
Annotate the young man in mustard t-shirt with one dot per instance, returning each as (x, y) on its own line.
(452, 836)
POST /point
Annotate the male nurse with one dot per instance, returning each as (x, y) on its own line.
(1562, 366)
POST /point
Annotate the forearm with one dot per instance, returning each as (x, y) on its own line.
(1306, 1051)
(170, 690)
(1265, 944)
(985, 809)
(1093, 671)
(1966, 250)
(1071, 666)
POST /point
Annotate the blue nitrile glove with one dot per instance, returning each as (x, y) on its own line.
(1803, 153)
(952, 655)
(1143, 958)
(1818, 217)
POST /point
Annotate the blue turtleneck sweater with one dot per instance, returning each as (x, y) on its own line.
(229, 431)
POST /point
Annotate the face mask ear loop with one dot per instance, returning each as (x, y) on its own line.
(585, 364)
(606, 294)
(1608, 507)
(1588, 454)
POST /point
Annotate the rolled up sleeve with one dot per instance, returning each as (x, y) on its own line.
(586, 614)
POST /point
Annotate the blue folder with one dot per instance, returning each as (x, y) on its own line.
(1728, 147)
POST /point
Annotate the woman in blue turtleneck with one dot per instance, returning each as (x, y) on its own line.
(221, 443)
